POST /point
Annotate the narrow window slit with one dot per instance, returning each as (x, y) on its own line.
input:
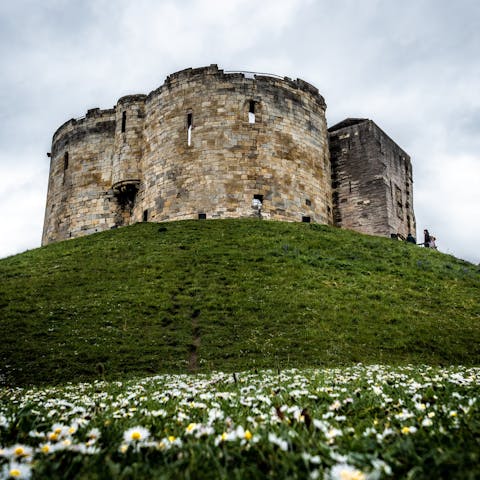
(145, 215)
(251, 112)
(308, 203)
(189, 128)
(65, 161)
(124, 121)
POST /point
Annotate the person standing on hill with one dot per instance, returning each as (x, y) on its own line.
(426, 239)
(411, 239)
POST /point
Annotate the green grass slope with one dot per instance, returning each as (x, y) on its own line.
(231, 295)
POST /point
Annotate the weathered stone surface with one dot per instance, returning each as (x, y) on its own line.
(133, 162)
(371, 180)
(192, 147)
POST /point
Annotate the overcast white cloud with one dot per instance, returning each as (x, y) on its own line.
(410, 66)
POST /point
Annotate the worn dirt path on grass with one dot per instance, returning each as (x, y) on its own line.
(195, 345)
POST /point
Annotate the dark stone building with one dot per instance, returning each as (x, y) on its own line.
(371, 180)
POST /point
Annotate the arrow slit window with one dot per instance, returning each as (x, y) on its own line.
(251, 111)
(189, 128)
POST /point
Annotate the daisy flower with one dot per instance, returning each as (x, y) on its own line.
(344, 471)
(17, 470)
(135, 434)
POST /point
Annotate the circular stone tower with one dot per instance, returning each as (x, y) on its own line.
(127, 155)
(206, 144)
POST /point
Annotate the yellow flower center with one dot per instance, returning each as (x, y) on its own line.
(224, 436)
(45, 449)
(53, 437)
(14, 472)
(136, 436)
(171, 438)
(248, 435)
(190, 427)
(355, 475)
(19, 451)
(405, 430)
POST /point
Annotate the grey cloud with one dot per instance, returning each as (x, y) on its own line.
(411, 66)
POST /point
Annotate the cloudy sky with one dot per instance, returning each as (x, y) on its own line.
(412, 66)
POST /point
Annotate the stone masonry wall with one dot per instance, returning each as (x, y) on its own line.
(214, 144)
(371, 180)
(282, 157)
(78, 202)
(136, 162)
(129, 141)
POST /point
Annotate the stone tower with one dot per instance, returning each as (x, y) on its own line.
(206, 144)
(371, 180)
(215, 144)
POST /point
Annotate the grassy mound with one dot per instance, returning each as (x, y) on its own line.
(231, 295)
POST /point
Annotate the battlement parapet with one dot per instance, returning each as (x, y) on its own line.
(139, 97)
(75, 129)
(276, 81)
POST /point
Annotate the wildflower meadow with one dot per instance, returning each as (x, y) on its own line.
(359, 422)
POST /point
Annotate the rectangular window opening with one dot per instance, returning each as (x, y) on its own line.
(398, 199)
(124, 121)
(145, 215)
(251, 112)
(257, 202)
(65, 161)
(306, 219)
(202, 216)
(189, 128)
